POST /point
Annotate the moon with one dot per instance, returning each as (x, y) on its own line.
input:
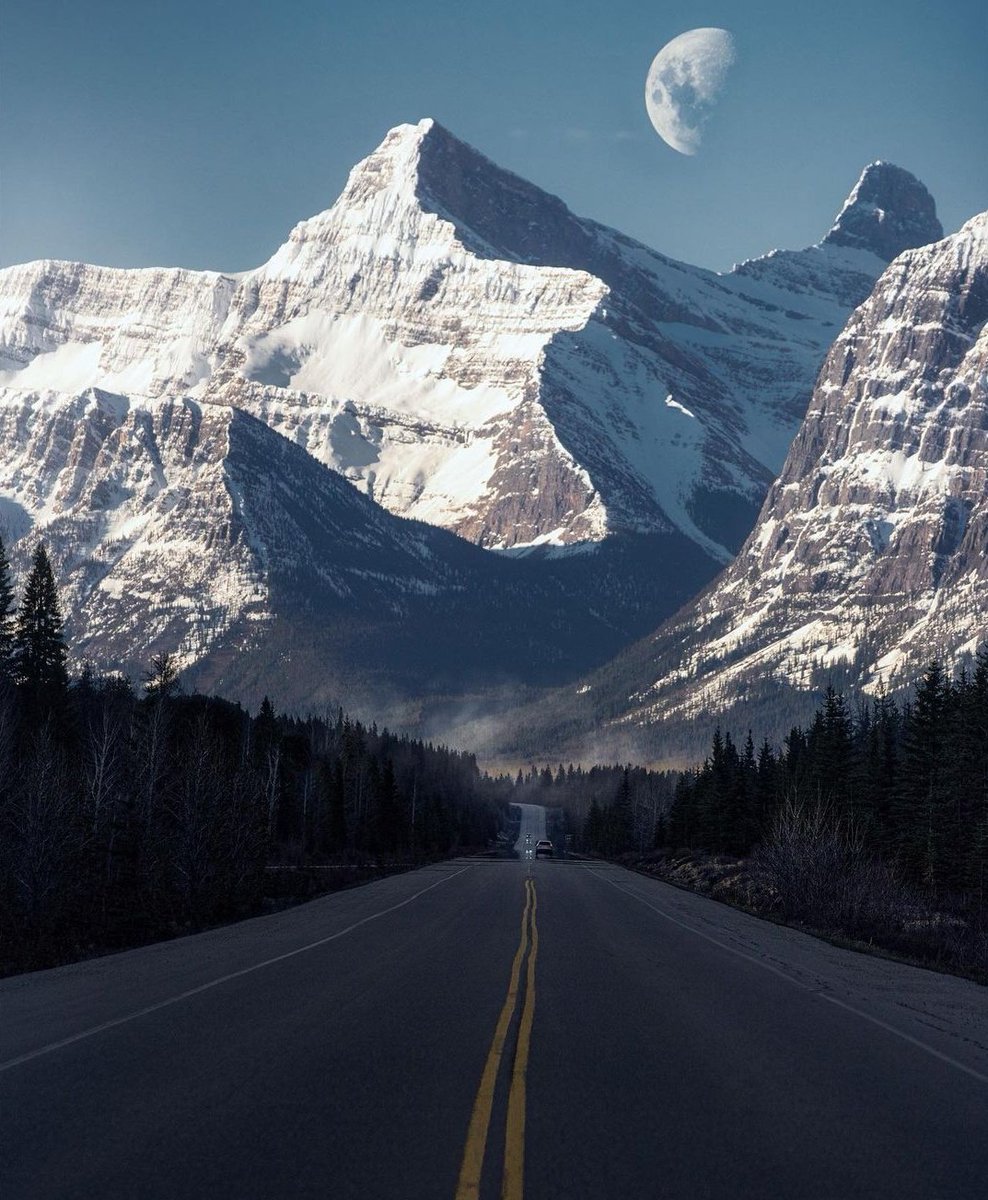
(684, 82)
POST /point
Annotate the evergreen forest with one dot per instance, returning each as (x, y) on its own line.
(128, 814)
(132, 812)
(871, 823)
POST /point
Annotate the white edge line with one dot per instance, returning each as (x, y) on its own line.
(906, 1037)
(205, 987)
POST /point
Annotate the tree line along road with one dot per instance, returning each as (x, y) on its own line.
(529, 1028)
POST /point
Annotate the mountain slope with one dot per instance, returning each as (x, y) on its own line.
(537, 377)
(195, 528)
(471, 354)
(870, 555)
(467, 353)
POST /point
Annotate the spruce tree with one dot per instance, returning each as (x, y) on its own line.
(39, 642)
(918, 809)
(6, 615)
(766, 788)
(965, 813)
(593, 827)
(876, 773)
(391, 832)
(337, 810)
(830, 746)
(161, 680)
(623, 816)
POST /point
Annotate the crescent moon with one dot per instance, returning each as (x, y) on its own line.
(684, 82)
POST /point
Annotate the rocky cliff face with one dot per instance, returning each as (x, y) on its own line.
(194, 528)
(68, 326)
(459, 347)
(888, 211)
(469, 353)
(870, 556)
(536, 378)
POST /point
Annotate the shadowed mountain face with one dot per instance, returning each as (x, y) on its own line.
(522, 376)
(195, 528)
(889, 211)
(870, 556)
(454, 344)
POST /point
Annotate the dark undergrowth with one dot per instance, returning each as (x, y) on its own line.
(284, 887)
(859, 905)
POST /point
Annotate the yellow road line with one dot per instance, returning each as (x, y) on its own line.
(468, 1187)
(513, 1184)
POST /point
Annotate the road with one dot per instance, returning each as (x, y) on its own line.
(531, 830)
(481, 1029)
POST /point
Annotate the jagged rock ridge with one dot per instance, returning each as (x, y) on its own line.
(194, 528)
(870, 555)
(471, 354)
(454, 342)
(888, 211)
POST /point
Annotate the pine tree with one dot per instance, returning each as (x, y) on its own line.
(337, 810)
(265, 734)
(39, 643)
(391, 832)
(766, 786)
(622, 816)
(161, 681)
(965, 813)
(743, 801)
(877, 764)
(830, 745)
(593, 827)
(682, 819)
(6, 615)
(918, 810)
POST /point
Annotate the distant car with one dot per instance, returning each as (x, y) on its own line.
(543, 848)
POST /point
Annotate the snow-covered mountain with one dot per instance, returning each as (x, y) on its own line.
(469, 353)
(183, 526)
(463, 350)
(870, 556)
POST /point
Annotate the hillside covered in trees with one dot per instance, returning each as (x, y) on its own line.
(908, 782)
(134, 812)
(128, 814)
(870, 823)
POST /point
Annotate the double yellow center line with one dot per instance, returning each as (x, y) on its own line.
(512, 1186)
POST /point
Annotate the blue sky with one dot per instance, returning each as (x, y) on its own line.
(197, 133)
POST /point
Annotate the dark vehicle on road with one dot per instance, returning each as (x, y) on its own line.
(543, 849)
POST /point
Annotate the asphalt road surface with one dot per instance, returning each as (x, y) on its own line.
(481, 1029)
(531, 830)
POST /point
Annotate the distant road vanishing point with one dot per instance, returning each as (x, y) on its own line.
(482, 1028)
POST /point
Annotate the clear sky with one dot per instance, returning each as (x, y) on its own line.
(197, 132)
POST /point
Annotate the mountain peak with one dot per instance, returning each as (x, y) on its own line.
(496, 213)
(394, 163)
(888, 211)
